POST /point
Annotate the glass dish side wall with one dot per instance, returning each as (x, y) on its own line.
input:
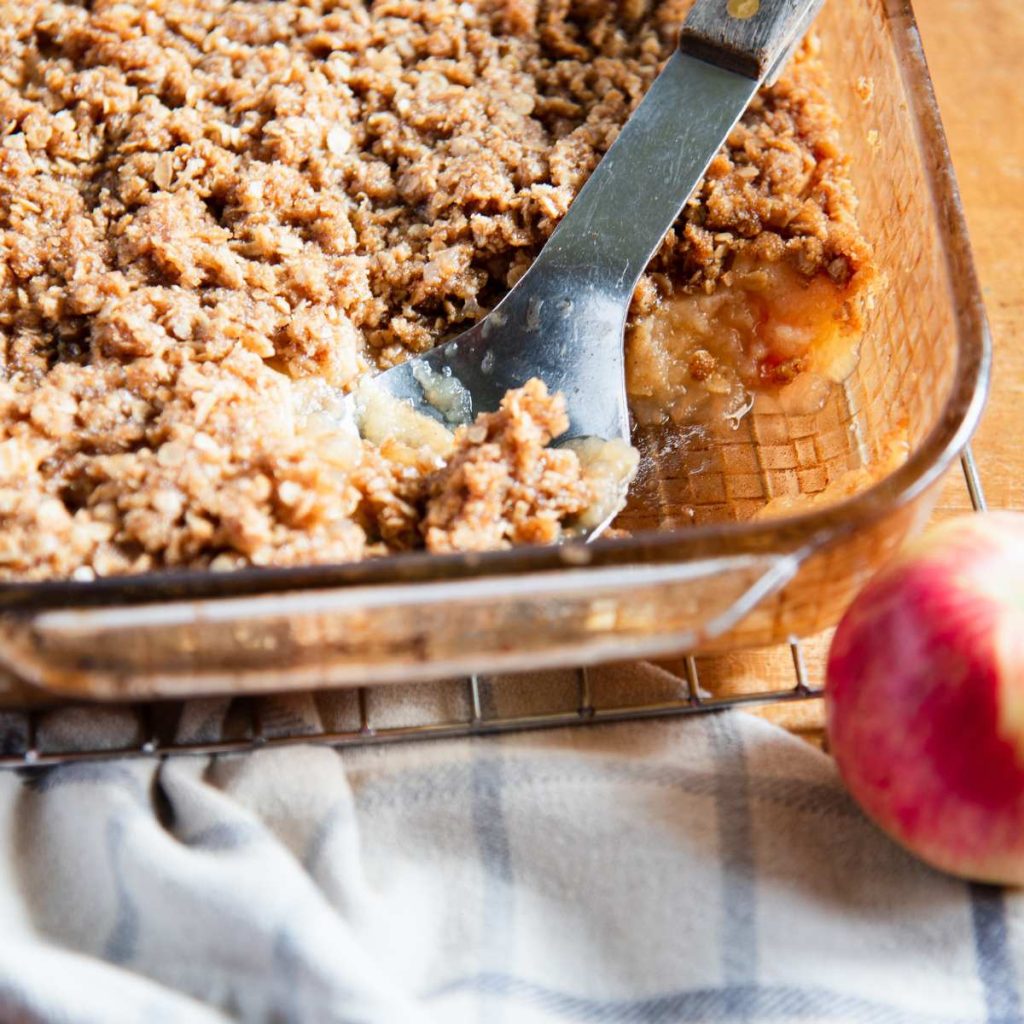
(926, 338)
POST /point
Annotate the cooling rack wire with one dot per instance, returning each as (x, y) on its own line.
(156, 723)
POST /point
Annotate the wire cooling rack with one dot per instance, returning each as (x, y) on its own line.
(157, 724)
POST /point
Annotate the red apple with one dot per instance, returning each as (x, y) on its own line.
(925, 698)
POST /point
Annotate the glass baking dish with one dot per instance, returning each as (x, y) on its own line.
(697, 573)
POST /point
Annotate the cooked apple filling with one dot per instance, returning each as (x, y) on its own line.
(702, 355)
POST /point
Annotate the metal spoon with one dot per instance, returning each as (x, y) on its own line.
(564, 320)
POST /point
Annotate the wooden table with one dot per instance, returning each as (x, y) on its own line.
(974, 50)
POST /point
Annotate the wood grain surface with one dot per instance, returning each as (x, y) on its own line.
(974, 50)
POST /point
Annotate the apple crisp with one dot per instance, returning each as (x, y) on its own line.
(216, 216)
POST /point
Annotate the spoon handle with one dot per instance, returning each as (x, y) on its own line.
(617, 222)
(750, 37)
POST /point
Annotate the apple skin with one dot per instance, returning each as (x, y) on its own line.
(925, 698)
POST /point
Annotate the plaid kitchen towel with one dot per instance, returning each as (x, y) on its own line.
(708, 869)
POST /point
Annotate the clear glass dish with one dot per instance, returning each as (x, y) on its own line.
(697, 573)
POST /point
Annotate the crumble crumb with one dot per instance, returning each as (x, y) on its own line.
(503, 485)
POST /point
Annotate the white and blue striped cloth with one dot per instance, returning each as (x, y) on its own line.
(710, 869)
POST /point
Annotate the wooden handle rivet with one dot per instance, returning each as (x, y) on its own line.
(742, 9)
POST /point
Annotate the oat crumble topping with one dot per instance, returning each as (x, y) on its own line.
(208, 206)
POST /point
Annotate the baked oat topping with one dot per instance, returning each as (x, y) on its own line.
(502, 484)
(208, 207)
